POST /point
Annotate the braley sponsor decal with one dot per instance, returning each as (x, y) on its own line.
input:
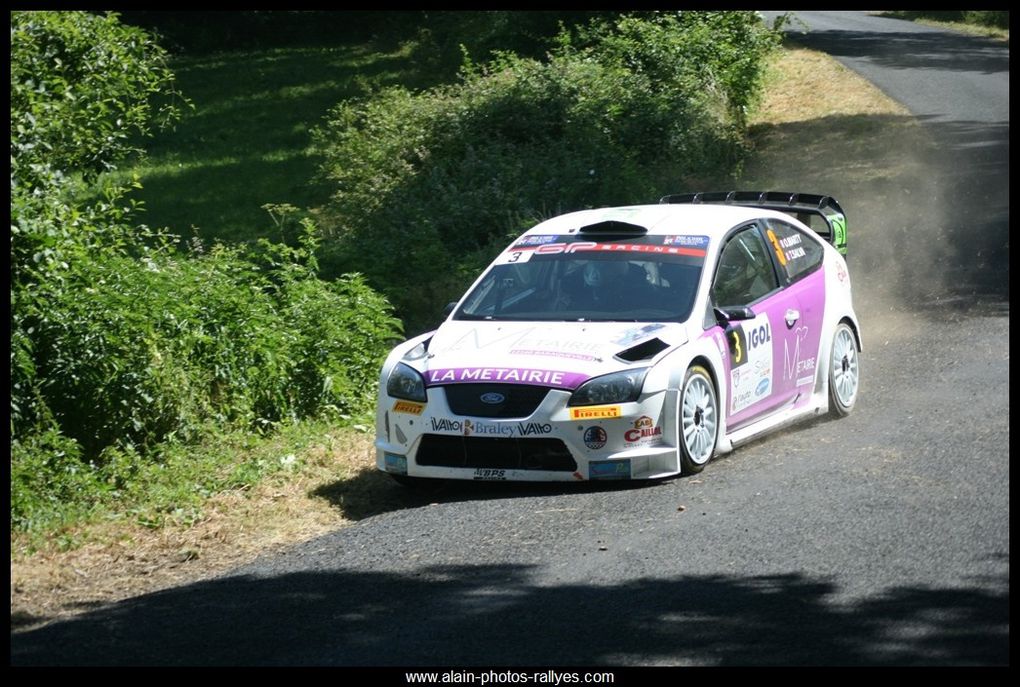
(469, 427)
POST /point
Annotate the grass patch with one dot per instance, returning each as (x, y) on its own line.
(247, 140)
(174, 488)
(827, 139)
(206, 509)
(246, 143)
(993, 24)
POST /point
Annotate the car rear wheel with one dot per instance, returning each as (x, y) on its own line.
(698, 425)
(844, 371)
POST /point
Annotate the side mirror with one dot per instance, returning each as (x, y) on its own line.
(729, 314)
(450, 307)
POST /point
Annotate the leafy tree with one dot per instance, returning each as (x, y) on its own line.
(623, 110)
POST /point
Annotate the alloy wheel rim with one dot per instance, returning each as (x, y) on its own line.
(699, 420)
(845, 372)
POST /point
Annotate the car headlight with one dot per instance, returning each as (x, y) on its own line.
(617, 387)
(404, 382)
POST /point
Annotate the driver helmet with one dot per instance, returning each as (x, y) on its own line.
(604, 273)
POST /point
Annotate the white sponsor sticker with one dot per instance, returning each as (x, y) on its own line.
(751, 360)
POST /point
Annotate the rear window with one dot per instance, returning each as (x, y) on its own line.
(798, 253)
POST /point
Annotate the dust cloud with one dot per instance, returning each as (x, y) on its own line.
(927, 208)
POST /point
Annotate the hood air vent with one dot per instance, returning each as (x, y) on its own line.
(643, 351)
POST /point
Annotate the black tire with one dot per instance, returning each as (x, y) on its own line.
(697, 420)
(844, 371)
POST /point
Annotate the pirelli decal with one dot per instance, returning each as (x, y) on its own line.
(408, 407)
(595, 412)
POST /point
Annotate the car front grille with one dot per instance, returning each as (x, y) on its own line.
(504, 400)
(501, 454)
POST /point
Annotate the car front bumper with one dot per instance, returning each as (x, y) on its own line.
(554, 443)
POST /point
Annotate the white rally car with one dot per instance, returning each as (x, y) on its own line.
(630, 343)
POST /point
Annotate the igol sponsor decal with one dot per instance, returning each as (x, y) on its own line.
(760, 335)
(644, 427)
(595, 438)
(508, 375)
(595, 412)
(408, 407)
(751, 361)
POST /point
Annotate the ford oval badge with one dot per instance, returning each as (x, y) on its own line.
(492, 398)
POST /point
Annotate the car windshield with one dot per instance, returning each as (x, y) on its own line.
(610, 279)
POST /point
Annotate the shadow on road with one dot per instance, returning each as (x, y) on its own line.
(915, 50)
(371, 492)
(493, 615)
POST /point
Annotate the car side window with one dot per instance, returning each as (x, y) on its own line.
(797, 253)
(745, 272)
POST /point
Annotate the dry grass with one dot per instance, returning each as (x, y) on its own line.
(809, 85)
(826, 124)
(819, 127)
(124, 559)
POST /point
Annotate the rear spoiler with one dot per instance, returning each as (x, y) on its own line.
(804, 206)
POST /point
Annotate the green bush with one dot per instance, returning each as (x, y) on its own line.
(50, 483)
(120, 340)
(83, 88)
(997, 18)
(139, 350)
(428, 186)
(133, 352)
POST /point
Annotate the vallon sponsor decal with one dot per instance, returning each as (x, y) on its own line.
(494, 429)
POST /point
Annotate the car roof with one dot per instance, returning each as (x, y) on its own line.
(660, 219)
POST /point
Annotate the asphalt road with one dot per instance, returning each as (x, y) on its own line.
(881, 539)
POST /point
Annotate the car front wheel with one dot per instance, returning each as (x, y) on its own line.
(698, 425)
